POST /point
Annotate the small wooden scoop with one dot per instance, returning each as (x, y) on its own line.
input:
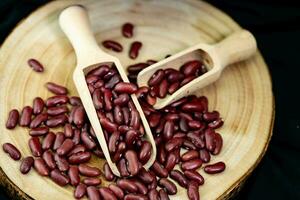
(75, 23)
(237, 47)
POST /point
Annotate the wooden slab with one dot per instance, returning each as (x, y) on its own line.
(243, 95)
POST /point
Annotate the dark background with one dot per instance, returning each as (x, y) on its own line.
(276, 26)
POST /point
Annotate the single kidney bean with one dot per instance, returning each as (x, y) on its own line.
(127, 30)
(145, 176)
(133, 164)
(54, 111)
(179, 178)
(195, 125)
(79, 117)
(188, 145)
(191, 164)
(91, 181)
(73, 174)
(68, 131)
(56, 121)
(168, 185)
(113, 81)
(112, 45)
(168, 130)
(38, 105)
(91, 79)
(153, 184)
(163, 195)
(183, 125)
(127, 185)
(39, 131)
(173, 144)
(88, 142)
(171, 161)
(190, 155)
(211, 116)
(80, 157)
(35, 65)
(218, 144)
(41, 167)
(124, 87)
(190, 68)
(26, 164)
(57, 100)
(193, 191)
(80, 191)
(38, 120)
(108, 125)
(174, 76)
(123, 168)
(194, 176)
(87, 170)
(61, 163)
(59, 139)
(117, 191)
(25, 118)
(153, 195)
(142, 189)
(118, 115)
(130, 137)
(12, 119)
(135, 197)
(59, 178)
(216, 124)
(100, 71)
(93, 193)
(161, 154)
(159, 170)
(106, 193)
(135, 119)
(210, 139)
(173, 87)
(196, 140)
(163, 89)
(192, 107)
(77, 148)
(113, 141)
(66, 147)
(145, 152)
(134, 49)
(75, 101)
(156, 78)
(204, 155)
(121, 100)
(56, 89)
(35, 146)
(215, 168)
(179, 102)
(49, 160)
(97, 99)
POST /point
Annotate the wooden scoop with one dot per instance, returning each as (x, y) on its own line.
(237, 47)
(75, 23)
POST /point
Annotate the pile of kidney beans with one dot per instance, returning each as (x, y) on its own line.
(184, 131)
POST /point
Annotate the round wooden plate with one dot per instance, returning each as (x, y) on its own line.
(243, 95)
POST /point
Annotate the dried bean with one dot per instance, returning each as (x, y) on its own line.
(53, 111)
(179, 178)
(35, 65)
(80, 157)
(127, 30)
(87, 170)
(59, 178)
(56, 89)
(26, 164)
(49, 160)
(93, 193)
(127, 185)
(106, 193)
(61, 162)
(134, 49)
(191, 164)
(193, 191)
(215, 168)
(116, 190)
(80, 191)
(59, 139)
(38, 105)
(12, 151)
(25, 117)
(35, 146)
(168, 185)
(195, 176)
(41, 167)
(57, 100)
(112, 45)
(204, 155)
(12, 119)
(159, 170)
(65, 148)
(73, 174)
(39, 131)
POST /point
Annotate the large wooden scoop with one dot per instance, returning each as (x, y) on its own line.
(237, 47)
(75, 23)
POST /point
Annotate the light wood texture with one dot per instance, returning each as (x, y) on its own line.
(237, 47)
(243, 94)
(74, 21)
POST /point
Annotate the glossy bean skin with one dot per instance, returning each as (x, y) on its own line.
(190, 67)
(190, 155)
(41, 167)
(215, 168)
(153, 195)
(127, 185)
(204, 155)
(39, 131)
(216, 124)
(25, 117)
(91, 181)
(171, 161)
(35, 65)
(218, 144)
(26, 164)
(59, 139)
(73, 174)
(156, 78)
(79, 117)
(87, 170)
(196, 140)
(134, 49)
(75, 101)
(195, 176)
(161, 155)
(145, 152)
(12, 151)
(127, 30)
(38, 120)
(35, 146)
(93, 193)
(77, 148)
(135, 197)
(57, 121)
(113, 141)
(59, 178)
(117, 191)
(80, 191)
(145, 176)
(108, 174)
(80, 157)
(191, 164)
(163, 195)
(106, 193)
(209, 139)
(112, 45)
(57, 110)
(179, 178)
(168, 185)
(12, 120)
(56, 89)
(193, 191)
(168, 130)
(38, 105)
(173, 144)
(159, 170)
(123, 168)
(133, 164)
(142, 189)
(49, 159)
(66, 147)
(56, 100)
(61, 162)
(88, 142)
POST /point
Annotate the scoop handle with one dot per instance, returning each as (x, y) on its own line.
(237, 47)
(75, 23)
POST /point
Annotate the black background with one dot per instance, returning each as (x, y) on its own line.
(276, 26)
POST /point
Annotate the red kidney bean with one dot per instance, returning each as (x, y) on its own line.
(178, 102)
(108, 125)
(91, 181)
(59, 178)
(53, 111)
(123, 87)
(133, 164)
(141, 92)
(25, 117)
(121, 100)
(153, 195)
(26, 164)
(135, 197)
(123, 168)
(156, 78)
(173, 144)
(68, 131)
(100, 71)
(61, 162)
(179, 178)
(77, 148)
(193, 191)
(154, 119)
(161, 154)
(87, 170)
(127, 185)
(183, 125)
(35, 146)
(49, 160)
(168, 130)
(192, 107)
(209, 139)
(117, 191)
(142, 189)
(191, 164)
(113, 141)
(71, 115)
(163, 89)
(93, 193)
(73, 174)
(12, 119)
(171, 161)
(80, 157)
(60, 137)
(118, 115)
(127, 30)
(38, 120)
(56, 121)
(211, 116)
(41, 167)
(159, 170)
(215, 168)
(65, 148)
(88, 142)
(174, 76)
(196, 140)
(38, 105)
(79, 116)
(153, 184)
(106, 193)
(204, 155)
(216, 124)
(134, 49)
(56, 89)
(57, 100)
(108, 174)
(188, 145)
(190, 155)
(190, 68)
(35, 65)
(163, 195)
(135, 119)
(145, 152)
(187, 80)
(39, 131)
(75, 101)
(168, 185)
(145, 176)
(112, 45)
(80, 191)
(194, 176)
(173, 87)
(179, 135)
(195, 124)
(218, 144)
(113, 81)
(97, 99)
(91, 79)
